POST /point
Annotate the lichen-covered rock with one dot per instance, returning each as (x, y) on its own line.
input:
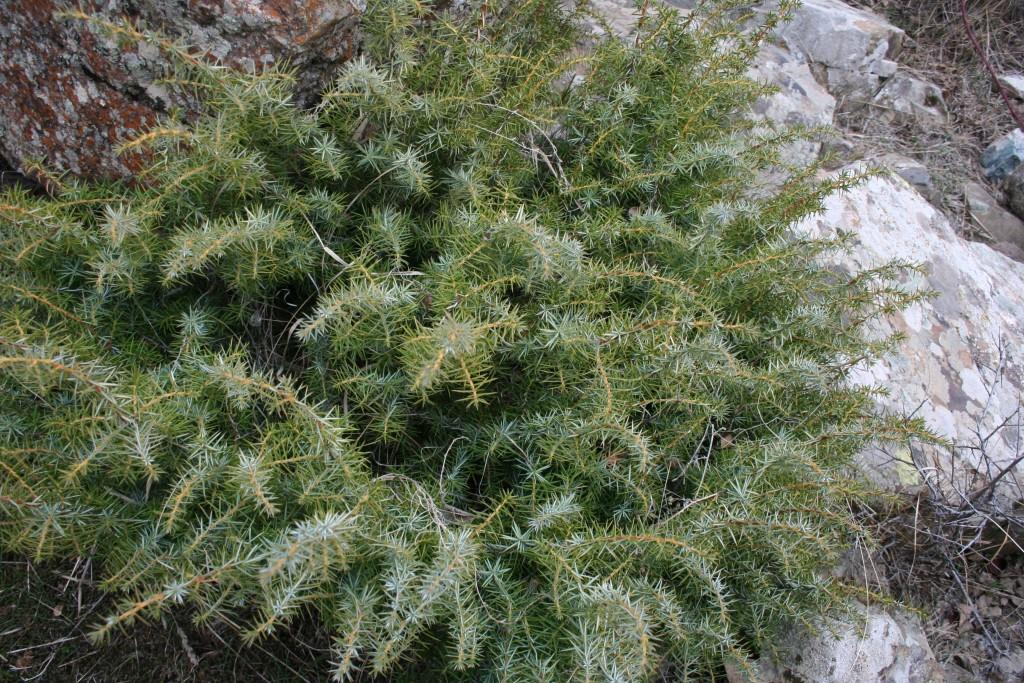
(852, 49)
(71, 95)
(875, 646)
(961, 364)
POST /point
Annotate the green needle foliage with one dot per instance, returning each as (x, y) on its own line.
(493, 362)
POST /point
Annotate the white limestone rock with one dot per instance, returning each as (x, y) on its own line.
(852, 49)
(800, 100)
(874, 647)
(913, 171)
(961, 365)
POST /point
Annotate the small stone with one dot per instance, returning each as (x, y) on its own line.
(906, 99)
(1014, 188)
(956, 674)
(885, 68)
(838, 152)
(998, 224)
(1014, 83)
(1003, 155)
(1011, 665)
(914, 172)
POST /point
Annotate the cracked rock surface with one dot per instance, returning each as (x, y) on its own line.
(960, 366)
(851, 49)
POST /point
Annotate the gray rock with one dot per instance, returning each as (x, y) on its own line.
(912, 171)
(72, 95)
(1009, 250)
(960, 366)
(887, 68)
(1014, 188)
(874, 647)
(1003, 155)
(906, 99)
(839, 152)
(1010, 666)
(1014, 83)
(852, 49)
(997, 223)
(622, 16)
(847, 50)
(800, 100)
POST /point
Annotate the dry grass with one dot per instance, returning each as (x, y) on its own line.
(969, 590)
(954, 548)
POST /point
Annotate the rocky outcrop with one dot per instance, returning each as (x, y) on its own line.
(72, 95)
(873, 646)
(851, 49)
(960, 366)
(800, 99)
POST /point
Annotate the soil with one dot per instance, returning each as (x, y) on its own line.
(46, 614)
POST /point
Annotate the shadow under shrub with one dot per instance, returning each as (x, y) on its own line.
(499, 373)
